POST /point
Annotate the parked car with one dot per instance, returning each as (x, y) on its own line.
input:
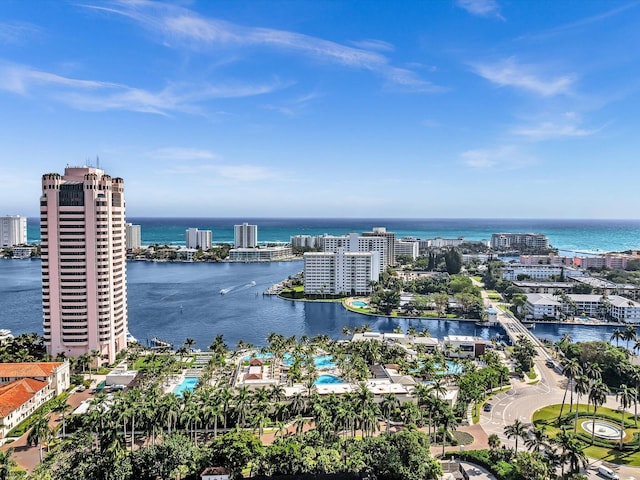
(550, 363)
(487, 407)
(81, 388)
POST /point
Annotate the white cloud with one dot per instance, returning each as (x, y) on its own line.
(504, 157)
(92, 95)
(565, 125)
(179, 25)
(182, 153)
(372, 44)
(510, 73)
(17, 32)
(481, 8)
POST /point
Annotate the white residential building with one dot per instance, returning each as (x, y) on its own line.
(390, 251)
(621, 309)
(407, 248)
(305, 241)
(340, 272)
(132, 234)
(538, 272)
(245, 236)
(13, 231)
(356, 243)
(542, 305)
(195, 238)
(502, 241)
(260, 254)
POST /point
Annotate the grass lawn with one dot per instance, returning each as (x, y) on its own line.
(547, 416)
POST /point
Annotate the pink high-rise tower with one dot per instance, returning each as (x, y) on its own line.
(84, 282)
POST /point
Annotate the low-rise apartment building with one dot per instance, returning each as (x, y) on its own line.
(26, 386)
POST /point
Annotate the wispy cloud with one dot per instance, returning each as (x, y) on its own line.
(585, 21)
(568, 125)
(293, 107)
(181, 26)
(510, 73)
(503, 157)
(92, 95)
(17, 32)
(245, 173)
(372, 44)
(182, 153)
(481, 8)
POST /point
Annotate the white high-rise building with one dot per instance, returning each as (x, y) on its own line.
(340, 272)
(245, 236)
(134, 239)
(13, 231)
(356, 243)
(199, 238)
(390, 253)
(84, 280)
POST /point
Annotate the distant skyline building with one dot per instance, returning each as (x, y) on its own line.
(195, 238)
(134, 237)
(245, 236)
(391, 242)
(13, 230)
(84, 283)
(501, 241)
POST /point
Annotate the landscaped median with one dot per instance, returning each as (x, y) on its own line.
(602, 448)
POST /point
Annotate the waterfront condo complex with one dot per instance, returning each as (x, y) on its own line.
(84, 289)
(13, 230)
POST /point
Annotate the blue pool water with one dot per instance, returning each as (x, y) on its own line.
(262, 356)
(328, 380)
(320, 361)
(189, 383)
(359, 304)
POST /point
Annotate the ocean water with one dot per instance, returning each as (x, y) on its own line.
(577, 235)
(176, 301)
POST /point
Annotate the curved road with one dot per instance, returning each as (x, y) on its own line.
(523, 399)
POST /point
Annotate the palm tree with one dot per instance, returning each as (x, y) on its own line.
(60, 406)
(625, 396)
(597, 397)
(571, 370)
(6, 464)
(39, 433)
(617, 335)
(630, 333)
(388, 406)
(516, 430)
(572, 451)
(494, 442)
(581, 387)
(537, 440)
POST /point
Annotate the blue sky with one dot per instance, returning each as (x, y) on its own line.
(468, 108)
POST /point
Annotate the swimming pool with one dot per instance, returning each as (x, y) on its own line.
(320, 361)
(189, 383)
(261, 356)
(359, 304)
(328, 380)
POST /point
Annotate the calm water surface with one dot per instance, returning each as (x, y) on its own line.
(174, 301)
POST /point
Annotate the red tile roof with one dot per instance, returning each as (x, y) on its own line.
(15, 394)
(28, 369)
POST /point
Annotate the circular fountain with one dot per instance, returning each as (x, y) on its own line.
(601, 429)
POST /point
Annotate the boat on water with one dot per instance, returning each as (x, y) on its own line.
(252, 284)
(5, 335)
(488, 324)
(224, 291)
(131, 338)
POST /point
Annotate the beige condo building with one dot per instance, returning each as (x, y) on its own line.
(84, 287)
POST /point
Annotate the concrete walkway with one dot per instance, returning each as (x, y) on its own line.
(477, 472)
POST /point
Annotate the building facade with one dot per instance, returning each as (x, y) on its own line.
(84, 282)
(195, 238)
(340, 272)
(407, 248)
(245, 236)
(357, 243)
(133, 236)
(263, 254)
(13, 230)
(391, 243)
(503, 241)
